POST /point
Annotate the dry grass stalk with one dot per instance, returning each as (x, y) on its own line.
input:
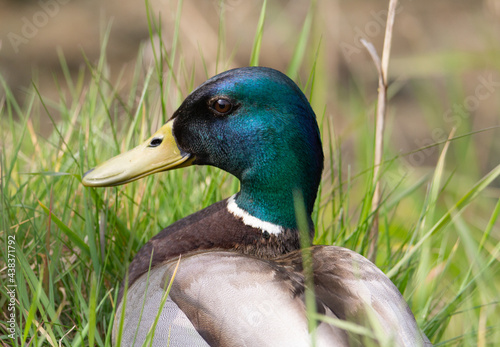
(382, 68)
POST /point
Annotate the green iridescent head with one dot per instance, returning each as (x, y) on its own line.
(252, 122)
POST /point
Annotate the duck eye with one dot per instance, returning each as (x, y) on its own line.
(222, 106)
(156, 142)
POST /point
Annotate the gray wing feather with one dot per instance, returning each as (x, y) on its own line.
(358, 291)
(173, 327)
(221, 298)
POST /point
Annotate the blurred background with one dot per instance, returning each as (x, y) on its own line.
(91, 61)
(443, 52)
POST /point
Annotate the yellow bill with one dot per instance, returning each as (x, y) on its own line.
(159, 153)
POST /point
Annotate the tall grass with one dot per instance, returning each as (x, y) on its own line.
(438, 225)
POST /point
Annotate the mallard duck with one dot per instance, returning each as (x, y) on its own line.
(240, 280)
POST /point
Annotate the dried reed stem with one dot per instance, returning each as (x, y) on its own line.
(382, 68)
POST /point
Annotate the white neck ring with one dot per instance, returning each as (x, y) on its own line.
(250, 220)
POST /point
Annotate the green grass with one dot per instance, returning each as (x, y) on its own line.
(439, 228)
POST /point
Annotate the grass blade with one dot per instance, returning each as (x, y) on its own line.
(455, 210)
(254, 56)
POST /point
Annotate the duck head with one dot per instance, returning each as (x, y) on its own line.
(254, 123)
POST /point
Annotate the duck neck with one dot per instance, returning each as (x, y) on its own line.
(271, 199)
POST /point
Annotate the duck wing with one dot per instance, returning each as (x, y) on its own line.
(221, 298)
(357, 291)
(225, 298)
